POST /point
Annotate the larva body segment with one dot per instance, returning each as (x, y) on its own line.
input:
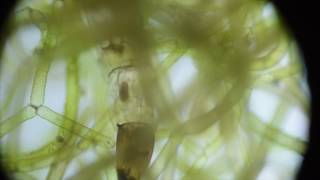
(135, 141)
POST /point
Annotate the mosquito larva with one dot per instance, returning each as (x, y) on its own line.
(135, 141)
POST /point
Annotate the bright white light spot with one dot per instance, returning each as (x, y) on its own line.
(285, 60)
(30, 38)
(56, 88)
(283, 162)
(267, 173)
(296, 123)
(35, 133)
(181, 73)
(89, 156)
(268, 10)
(263, 104)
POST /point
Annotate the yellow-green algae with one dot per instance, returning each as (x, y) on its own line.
(234, 49)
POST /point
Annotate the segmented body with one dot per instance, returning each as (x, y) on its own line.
(135, 141)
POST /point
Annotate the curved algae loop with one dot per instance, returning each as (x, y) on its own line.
(275, 135)
(74, 127)
(37, 159)
(290, 94)
(42, 158)
(192, 126)
(271, 58)
(278, 74)
(14, 121)
(27, 164)
(261, 143)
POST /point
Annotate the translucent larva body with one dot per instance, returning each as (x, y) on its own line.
(134, 149)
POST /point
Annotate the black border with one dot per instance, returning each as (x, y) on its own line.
(301, 18)
(5, 10)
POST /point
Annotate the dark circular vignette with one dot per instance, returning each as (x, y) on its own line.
(300, 18)
(5, 10)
